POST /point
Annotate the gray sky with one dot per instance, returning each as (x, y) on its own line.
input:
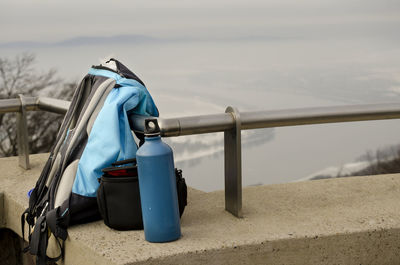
(50, 20)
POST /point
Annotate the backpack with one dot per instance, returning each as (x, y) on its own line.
(94, 134)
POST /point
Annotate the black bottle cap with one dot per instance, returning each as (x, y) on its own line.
(151, 128)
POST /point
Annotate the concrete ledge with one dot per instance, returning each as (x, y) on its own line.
(338, 221)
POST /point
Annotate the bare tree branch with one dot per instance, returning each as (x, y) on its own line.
(18, 76)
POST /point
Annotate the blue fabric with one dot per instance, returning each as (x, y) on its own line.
(111, 139)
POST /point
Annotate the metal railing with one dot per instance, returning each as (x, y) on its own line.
(23, 104)
(231, 123)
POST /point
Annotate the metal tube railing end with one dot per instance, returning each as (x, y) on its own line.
(233, 164)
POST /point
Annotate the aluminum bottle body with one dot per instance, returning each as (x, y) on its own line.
(158, 194)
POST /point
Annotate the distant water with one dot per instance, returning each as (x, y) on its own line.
(196, 77)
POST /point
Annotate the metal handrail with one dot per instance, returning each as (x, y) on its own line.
(23, 104)
(34, 103)
(231, 123)
(271, 118)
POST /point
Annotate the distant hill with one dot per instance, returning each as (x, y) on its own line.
(83, 40)
(384, 161)
(138, 39)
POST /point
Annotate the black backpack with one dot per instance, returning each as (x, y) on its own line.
(94, 134)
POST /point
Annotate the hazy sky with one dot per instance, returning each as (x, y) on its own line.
(250, 54)
(50, 20)
(332, 47)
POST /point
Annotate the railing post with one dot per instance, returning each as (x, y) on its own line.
(233, 165)
(22, 135)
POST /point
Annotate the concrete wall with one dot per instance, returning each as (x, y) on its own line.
(339, 221)
(11, 246)
(2, 221)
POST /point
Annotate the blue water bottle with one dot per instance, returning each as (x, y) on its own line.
(157, 183)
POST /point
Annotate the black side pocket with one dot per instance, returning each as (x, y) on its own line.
(101, 202)
(119, 202)
(181, 188)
